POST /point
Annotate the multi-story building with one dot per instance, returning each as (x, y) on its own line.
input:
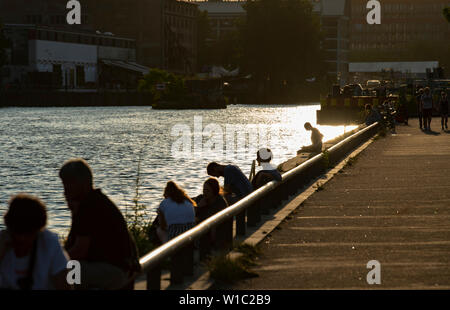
(58, 58)
(165, 30)
(222, 15)
(402, 22)
(335, 20)
(39, 12)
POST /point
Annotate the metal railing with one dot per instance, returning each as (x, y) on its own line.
(247, 212)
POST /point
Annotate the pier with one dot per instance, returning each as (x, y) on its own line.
(391, 204)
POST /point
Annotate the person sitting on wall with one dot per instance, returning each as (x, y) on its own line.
(236, 184)
(316, 139)
(208, 204)
(99, 236)
(372, 115)
(268, 172)
(176, 212)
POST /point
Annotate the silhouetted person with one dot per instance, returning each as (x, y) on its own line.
(99, 236)
(316, 139)
(268, 172)
(443, 108)
(176, 212)
(236, 184)
(372, 115)
(420, 107)
(30, 255)
(427, 108)
(208, 204)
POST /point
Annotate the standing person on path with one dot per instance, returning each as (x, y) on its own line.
(176, 212)
(236, 184)
(31, 257)
(419, 106)
(316, 139)
(443, 107)
(427, 108)
(99, 236)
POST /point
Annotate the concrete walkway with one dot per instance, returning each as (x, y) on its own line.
(391, 205)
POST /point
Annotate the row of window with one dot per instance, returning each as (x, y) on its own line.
(53, 20)
(180, 22)
(404, 7)
(181, 8)
(68, 37)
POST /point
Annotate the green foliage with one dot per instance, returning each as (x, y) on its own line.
(446, 13)
(281, 44)
(326, 159)
(136, 218)
(230, 270)
(174, 85)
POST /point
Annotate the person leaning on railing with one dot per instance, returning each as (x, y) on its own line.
(268, 172)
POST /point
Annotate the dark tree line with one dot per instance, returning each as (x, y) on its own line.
(278, 43)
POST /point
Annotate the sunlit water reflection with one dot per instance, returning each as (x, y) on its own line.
(36, 141)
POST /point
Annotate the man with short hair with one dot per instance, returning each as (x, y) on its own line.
(99, 236)
(316, 139)
(235, 182)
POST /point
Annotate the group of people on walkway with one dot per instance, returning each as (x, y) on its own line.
(178, 212)
(31, 256)
(425, 107)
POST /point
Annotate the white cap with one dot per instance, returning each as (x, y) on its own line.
(265, 154)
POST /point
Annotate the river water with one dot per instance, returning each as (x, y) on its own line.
(168, 144)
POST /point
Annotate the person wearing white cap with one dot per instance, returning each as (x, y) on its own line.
(268, 172)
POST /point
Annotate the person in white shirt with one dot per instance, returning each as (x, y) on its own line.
(31, 257)
(176, 212)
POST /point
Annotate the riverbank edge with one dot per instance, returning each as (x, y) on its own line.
(201, 279)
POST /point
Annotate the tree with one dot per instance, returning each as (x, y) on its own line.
(174, 88)
(281, 45)
(446, 12)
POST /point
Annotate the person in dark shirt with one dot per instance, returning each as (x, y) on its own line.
(99, 236)
(208, 204)
(443, 107)
(419, 107)
(268, 172)
(236, 184)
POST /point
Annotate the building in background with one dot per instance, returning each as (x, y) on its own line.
(222, 15)
(335, 20)
(165, 30)
(363, 71)
(39, 12)
(402, 22)
(58, 58)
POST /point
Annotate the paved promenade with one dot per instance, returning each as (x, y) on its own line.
(392, 205)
